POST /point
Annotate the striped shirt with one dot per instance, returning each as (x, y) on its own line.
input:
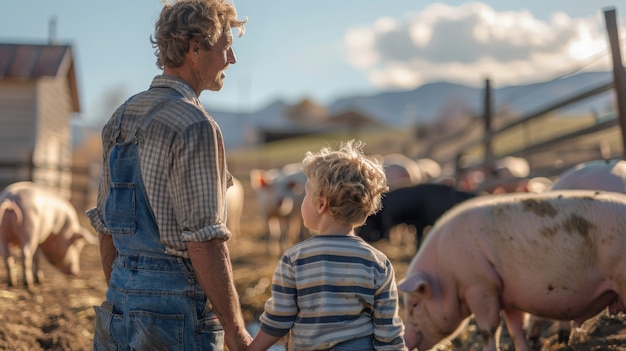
(182, 164)
(333, 288)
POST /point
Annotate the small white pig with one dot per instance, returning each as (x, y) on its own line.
(557, 255)
(279, 194)
(35, 219)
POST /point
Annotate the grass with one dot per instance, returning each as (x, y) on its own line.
(278, 153)
(586, 148)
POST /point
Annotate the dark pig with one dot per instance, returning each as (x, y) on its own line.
(418, 205)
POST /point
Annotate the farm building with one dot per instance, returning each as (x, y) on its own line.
(307, 117)
(38, 96)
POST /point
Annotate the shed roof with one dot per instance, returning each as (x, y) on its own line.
(28, 62)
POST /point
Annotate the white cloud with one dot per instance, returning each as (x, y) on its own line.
(471, 42)
(360, 42)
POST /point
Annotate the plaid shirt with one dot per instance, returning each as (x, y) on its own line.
(182, 163)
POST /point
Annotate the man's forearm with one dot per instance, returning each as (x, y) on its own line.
(211, 263)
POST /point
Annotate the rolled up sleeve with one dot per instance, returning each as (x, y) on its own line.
(199, 180)
(208, 233)
(96, 221)
(96, 214)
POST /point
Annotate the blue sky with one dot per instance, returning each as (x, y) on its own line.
(326, 49)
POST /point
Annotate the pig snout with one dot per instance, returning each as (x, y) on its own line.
(412, 338)
(70, 264)
(73, 272)
(412, 335)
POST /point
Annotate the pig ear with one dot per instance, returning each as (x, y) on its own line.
(256, 178)
(415, 283)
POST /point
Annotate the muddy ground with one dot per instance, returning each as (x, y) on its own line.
(58, 314)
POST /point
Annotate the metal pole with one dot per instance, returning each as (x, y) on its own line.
(618, 72)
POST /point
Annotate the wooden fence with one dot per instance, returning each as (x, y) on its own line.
(600, 137)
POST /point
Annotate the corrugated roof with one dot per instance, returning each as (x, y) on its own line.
(31, 62)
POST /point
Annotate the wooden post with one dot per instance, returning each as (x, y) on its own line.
(618, 72)
(488, 156)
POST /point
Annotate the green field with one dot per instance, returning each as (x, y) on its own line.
(444, 146)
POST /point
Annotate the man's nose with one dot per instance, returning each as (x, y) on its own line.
(231, 56)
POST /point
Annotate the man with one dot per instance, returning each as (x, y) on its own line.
(161, 202)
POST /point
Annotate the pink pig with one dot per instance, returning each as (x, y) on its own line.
(605, 175)
(556, 255)
(35, 220)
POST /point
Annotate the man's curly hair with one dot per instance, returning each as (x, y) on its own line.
(352, 182)
(185, 20)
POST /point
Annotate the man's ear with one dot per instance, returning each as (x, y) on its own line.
(194, 49)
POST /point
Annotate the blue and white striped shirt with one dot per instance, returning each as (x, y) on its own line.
(330, 289)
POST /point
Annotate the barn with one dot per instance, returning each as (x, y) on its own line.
(38, 97)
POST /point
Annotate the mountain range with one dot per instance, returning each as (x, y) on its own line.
(428, 103)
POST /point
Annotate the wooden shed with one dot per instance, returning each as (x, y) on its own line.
(38, 96)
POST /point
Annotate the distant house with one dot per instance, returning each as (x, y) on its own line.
(38, 95)
(308, 118)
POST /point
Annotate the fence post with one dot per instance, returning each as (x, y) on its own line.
(487, 116)
(618, 72)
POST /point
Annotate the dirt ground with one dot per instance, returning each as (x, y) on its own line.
(58, 314)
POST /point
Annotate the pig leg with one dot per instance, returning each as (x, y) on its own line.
(27, 264)
(296, 234)
(9, 264)
(37, 271)
(484, 302)
(283, 233)
(515, 324)
(534, 326)
(7, 237)
(274, 236)
(565, 329)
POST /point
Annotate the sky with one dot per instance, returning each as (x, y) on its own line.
(328, 49)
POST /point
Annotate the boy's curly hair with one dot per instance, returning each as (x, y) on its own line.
(352, 182)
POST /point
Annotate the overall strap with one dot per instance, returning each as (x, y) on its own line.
(118, 120)
(151, 114)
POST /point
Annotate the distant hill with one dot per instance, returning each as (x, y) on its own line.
(427, 104)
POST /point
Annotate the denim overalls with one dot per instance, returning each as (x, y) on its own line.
(154, 301)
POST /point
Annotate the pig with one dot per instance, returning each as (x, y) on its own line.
(36, 220)
(556, 255)
(605, 175)
(279, 195)
(418, 205)
(510, 174)
(235, 197)
(429, 169)
(401, 170)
